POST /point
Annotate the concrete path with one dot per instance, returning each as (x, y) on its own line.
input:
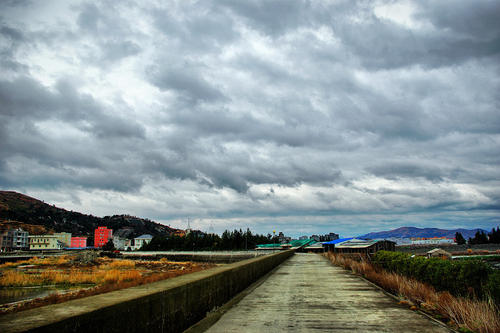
(308, 294)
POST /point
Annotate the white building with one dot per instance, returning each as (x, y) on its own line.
(121, 243)
(64, 237)
(45, 242)
(433, 240)
(141, 240)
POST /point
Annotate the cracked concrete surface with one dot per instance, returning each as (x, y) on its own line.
(308, 294)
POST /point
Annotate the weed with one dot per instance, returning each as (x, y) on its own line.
(468, 314)
(106, 275)
(14, 278)
(119, 264)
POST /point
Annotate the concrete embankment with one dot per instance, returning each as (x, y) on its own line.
(166, 306)
(224, 257)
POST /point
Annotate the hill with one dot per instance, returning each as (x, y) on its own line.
(409, 232)
(30, 228)
(19, 210)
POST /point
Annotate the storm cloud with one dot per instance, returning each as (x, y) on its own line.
(312, 116)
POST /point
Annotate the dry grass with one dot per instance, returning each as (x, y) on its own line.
(49, 261)
(125, 264)
(55, 271)
(73, 277)
(105, 276)
(124, 281)
(13, 278)
(475, 252)
(10, 265)
(15, 264)
(56, 260)
(471, 314)
(114, 276)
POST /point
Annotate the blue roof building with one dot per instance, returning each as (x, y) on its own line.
(330, 246)
(336, 241)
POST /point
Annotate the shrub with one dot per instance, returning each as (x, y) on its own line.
(461, 278)
(466, 314)
(493, 287)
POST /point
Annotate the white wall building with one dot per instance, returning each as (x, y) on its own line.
(141, 240)
(64, 237)
(434, 240)
(121, 243)
(45, 242)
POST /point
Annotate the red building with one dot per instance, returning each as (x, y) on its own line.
(78, 242)
(101, 236)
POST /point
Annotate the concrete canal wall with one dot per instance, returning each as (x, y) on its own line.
(166, 306)
(223, 257)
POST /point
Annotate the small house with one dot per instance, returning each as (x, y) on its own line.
(438, 253)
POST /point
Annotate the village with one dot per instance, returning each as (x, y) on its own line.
(18, 239)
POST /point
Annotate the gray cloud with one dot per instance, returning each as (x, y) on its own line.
(478, 19)
(186, 82)
(273, 17)
(201, 108)
(114, 50)
(65, 103)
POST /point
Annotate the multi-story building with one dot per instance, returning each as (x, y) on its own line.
(78, 242)
(101, 236)
(5, 241)
(45, 242)
(331, 236)
(64, 237)
(282, 239)
(14, 239)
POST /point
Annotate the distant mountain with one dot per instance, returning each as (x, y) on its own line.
(408, 232)
(37, 217)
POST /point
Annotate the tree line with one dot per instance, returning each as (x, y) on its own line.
(230, 240)
(480, 237)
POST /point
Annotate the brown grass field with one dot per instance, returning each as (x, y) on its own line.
(464, 314)
(101, 276)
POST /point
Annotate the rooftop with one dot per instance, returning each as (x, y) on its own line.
(356, 243)
(145, 236)
(337, 241)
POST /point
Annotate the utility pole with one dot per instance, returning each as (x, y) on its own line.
(274, 240)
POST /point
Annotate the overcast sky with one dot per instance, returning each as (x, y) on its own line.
(296, 116)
